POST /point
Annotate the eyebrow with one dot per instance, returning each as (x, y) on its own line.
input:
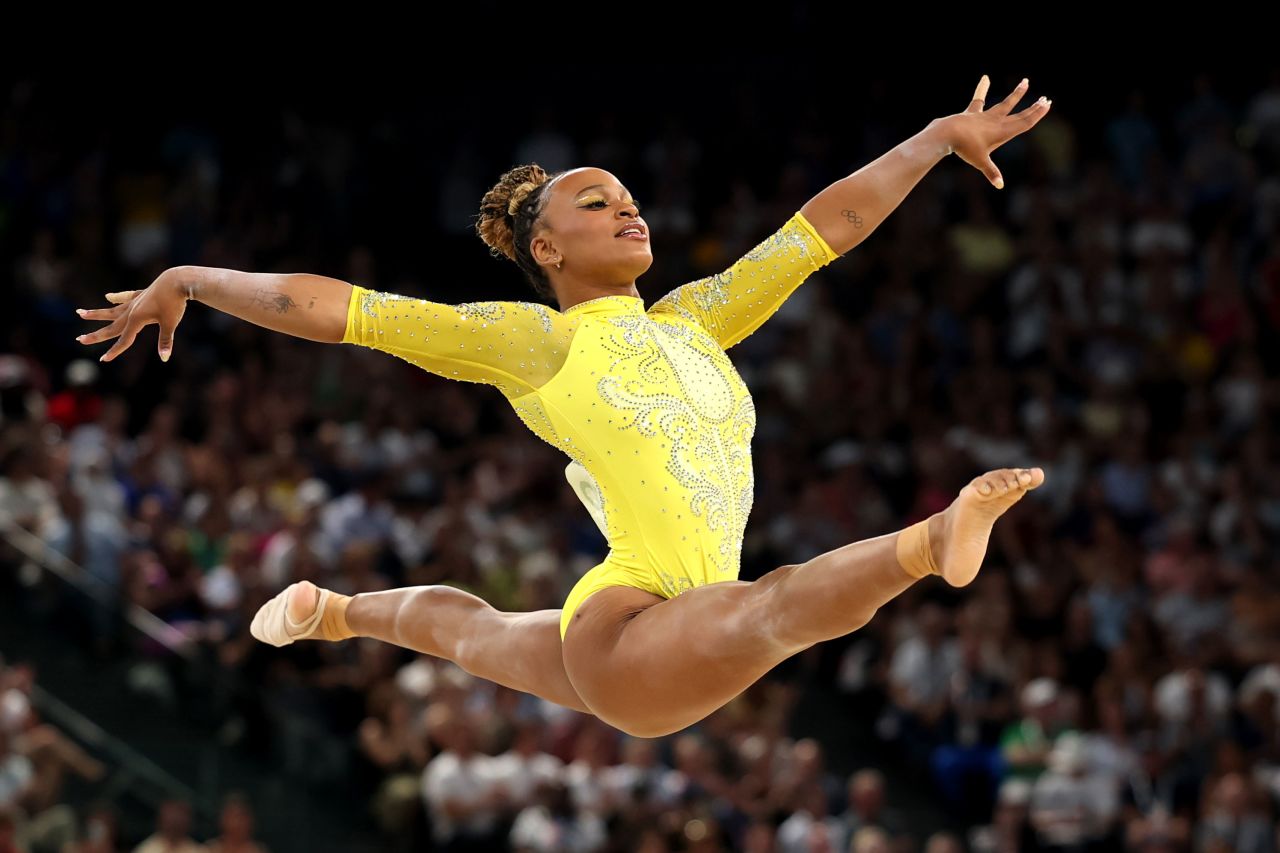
(597, 186)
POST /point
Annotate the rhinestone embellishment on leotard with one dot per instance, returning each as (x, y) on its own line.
(373, 299)
(710, 296)
(707, 418)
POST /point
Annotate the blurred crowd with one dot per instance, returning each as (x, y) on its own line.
(1110, 681)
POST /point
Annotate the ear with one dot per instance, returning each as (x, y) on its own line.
(545, 253)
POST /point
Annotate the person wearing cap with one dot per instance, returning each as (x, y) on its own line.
(1025, 744)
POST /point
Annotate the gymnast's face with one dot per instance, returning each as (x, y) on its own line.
(586, 210)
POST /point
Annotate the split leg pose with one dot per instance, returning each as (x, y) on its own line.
(651, 666)
(658, 424)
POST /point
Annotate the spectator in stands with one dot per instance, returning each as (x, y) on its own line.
(458, 787)
(173, 831)
(1069, 810)
(868, 805)
(870, 839)
(810, 825)
(1237, 818)
(235, 828)
(920, 677)
(1158, 802)
(551, 823)
(943, 842)
(1026, 743)
(101, 832)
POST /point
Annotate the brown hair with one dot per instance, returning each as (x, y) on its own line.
(508, 214)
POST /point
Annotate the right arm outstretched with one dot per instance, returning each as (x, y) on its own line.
(516, 346)
(306, 306)
(299, 304)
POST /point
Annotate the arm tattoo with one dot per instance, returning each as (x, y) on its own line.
(272, 301)
(852, 216)
(311, 304)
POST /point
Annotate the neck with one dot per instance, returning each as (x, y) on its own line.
(569, 295)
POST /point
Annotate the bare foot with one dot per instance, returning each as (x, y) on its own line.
(958, 536)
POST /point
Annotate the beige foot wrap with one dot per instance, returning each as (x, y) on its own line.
(271, 624)
(914, 553)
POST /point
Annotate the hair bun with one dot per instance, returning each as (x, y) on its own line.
(518, 195)
(503, 212)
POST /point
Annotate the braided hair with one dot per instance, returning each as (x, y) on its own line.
(508, 214)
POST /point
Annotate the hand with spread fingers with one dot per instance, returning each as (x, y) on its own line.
(976, 132)
(162, 303)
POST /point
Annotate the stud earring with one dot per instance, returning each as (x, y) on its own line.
(557, 266)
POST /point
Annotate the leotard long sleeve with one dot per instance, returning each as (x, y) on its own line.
(645, 401)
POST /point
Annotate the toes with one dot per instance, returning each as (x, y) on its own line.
(1029, 478)
(1004, 481)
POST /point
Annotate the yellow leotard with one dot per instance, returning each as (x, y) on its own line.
(653, 414)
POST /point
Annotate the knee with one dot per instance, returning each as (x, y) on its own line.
(462, 612)
(634, 726)
(645, 730)
(774, 612)
(790, 617)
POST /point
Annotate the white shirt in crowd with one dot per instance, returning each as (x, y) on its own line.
(451, 779)
(1069, 810)
(16, 774)
(521, 774)
(1172, 696)
(923, 672)
(537, 830)
(587, 788)
(796, 832)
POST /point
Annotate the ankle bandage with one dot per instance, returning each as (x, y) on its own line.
(914, 554)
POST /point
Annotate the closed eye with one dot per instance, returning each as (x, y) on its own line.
(602, 201)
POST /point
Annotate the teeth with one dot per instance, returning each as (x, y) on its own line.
(630, 231)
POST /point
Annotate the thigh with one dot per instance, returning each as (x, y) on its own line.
(521, 651)
(652, 666)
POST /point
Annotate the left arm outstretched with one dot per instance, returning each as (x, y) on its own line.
(732, 304)
(846, 212)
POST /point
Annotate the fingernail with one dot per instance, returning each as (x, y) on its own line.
(164, 355)
(999, 183)
(79, 337)
(80, 311)
(1024, 82)
(102, 357)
